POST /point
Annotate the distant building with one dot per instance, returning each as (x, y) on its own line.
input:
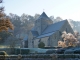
(47, 32)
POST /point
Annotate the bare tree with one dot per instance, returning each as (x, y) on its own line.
(68, 40)
(61, 44)
(76, 34)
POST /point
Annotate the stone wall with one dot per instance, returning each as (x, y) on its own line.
(30, 37)
(37, 41)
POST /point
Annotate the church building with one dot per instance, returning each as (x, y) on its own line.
(47, 32)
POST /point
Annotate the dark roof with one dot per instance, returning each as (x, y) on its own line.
(35, 33)
(52, 29)
(43, 15)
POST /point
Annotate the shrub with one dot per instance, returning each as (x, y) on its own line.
(23, 51)
(41, 45)
(50, 51)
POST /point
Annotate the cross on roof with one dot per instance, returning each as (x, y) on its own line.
(43, 10)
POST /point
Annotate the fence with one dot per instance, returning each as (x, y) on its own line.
(41, 57)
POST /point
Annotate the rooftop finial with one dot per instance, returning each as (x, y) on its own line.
(43, 10)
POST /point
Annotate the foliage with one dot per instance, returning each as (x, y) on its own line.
(41, 45)
(50, 51)
(68, 40)
(5, 23)
(4, 35)
(76, 34)
(23, 51)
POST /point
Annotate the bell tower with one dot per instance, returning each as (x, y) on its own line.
(42, 22)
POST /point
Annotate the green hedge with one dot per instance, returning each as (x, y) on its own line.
(23, 51)
(50, 51)
(68, 56)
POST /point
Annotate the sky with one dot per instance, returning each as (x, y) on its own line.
(66, 9)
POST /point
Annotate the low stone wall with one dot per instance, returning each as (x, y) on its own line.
(42, 57)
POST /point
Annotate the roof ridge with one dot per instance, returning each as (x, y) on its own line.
(43, 15)
(57, 22)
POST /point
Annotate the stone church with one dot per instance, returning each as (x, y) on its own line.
(47, 32)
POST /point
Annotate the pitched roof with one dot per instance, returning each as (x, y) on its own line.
(51, 29)
(54, 27)
(43, 15)
(35, 33)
